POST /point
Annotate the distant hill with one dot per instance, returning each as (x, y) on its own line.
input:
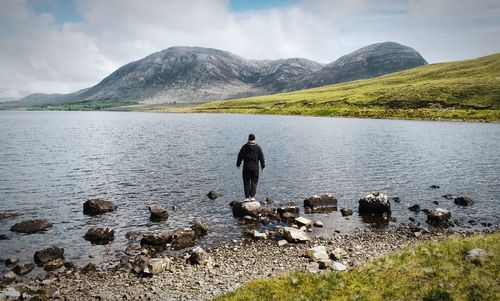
(456, 90)
(196, 74)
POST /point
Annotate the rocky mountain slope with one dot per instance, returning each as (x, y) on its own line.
(196, 74)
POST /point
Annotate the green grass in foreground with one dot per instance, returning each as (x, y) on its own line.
(93, 105)
(428, 271)
(457, 90)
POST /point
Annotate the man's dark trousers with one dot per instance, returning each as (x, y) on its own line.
(250, 180)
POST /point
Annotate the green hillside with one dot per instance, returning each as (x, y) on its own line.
(456, 90)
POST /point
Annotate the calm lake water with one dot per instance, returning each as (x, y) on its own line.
(51, 162)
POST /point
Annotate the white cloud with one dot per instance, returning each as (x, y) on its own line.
(39, 55)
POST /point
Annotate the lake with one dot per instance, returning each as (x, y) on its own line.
(51, 162)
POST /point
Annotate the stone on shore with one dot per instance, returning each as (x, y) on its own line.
(158, 213)
(346, 211)
(98, 206)
(23, 268)
(463, 201)
(323, 203)
(32, 226)
(258, 235)
(199, 229)
(318, 254)
(293, 235)
(241, 209)
(50, 258)
(282, 242)
(200, 257)
(438, 217)
(337, 266)
(338, 254)
(183, 238)
(156, 266)
(213, 195)
(375, 203)
(156, 239)
(475, 254)
(302, 221)
(100, 235)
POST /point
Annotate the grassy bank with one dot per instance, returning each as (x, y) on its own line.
(457, 90)
(428, 271)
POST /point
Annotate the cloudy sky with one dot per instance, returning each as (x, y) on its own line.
(59, 46)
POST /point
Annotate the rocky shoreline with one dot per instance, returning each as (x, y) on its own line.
(224, 268)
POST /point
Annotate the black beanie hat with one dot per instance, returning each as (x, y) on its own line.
(251, 137)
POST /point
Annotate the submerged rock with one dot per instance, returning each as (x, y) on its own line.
(434, 186)
(158, 213)
(448, 196)
(438, 217)
(414, 208)
(100, 235)
(346, 211)
(241, 209)
(98, 206)
(5, 237)
(374, 203)
(213, 195)
(32, 226)
(23, 268)
(323, 203)
(7, 214)
(463, 201)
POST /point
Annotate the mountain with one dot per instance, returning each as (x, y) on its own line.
(367, 62)
(196, 74)
(455, 90)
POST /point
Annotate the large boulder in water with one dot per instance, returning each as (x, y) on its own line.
(463, 201)
(322, 203)
(98, 206)
(199, 229)
(289, 213)
(241, 209)
(438, 217)
(158, 213)
(100, 235)
(374, 203)
(32, 226)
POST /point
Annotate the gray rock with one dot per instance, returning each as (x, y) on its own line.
(158, 213)
(293, 235)
(302, 221)
(241, 209)
(213, 195)
(438, 217)
(288, 213)
(98, 206)
(5, 237)
(8, 277)
(100, 235)
(45, 256)
(338, 266)
(183, 238)
(8, 214)
(415, 208)
(157, 266)
(434, 186)
(463, 201)
(318, 224)
(258, 235)
(346, 211)
(282, 242)
(338, 254)
(476, 253)
(374, 203)
(157, 238)
(318, 254)
(10, 293)
(323, 203)
(199, 229)
(32, 226)
(23, 268)
(200, 257)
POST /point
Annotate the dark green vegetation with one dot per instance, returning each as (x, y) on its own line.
(428, 271)
(458, 90)
(92, 105)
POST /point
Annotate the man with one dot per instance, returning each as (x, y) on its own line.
(251, 154)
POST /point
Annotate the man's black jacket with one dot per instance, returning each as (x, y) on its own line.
(251, 153)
